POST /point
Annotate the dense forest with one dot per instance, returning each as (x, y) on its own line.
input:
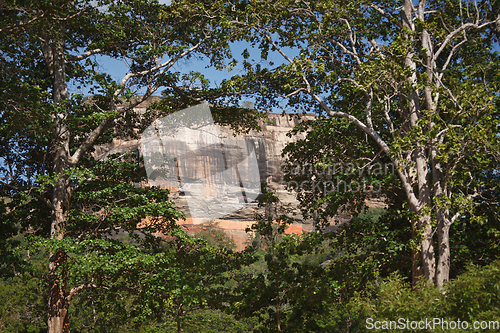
(411, 84)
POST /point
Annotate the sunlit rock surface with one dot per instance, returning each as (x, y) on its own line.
(202, 167)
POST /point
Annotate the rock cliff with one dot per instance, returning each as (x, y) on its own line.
(195, 176)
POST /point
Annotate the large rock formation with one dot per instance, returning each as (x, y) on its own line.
(196, 176)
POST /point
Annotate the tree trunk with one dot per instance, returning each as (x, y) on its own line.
(442, 273)
(58, 317)
(443, 266)
(419, 158)
(416, 263)
(443, 225)
(427, 248)
(179, 318)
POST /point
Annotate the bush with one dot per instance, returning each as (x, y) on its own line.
(473, 296)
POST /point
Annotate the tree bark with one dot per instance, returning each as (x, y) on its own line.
(443, 266)
(427, 248)
(420, 162)
(442, 273)
(58, 317)
(416, 263)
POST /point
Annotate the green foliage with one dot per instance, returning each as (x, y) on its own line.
(357, 64)
(329, 181)
(473, 296)
(23, 305)
(475, 239)
(78, 208)
(285, 291)
(210, 321)
(133, 289)
(368, 247)
(414, 84)
(161, 286)
(216, 237)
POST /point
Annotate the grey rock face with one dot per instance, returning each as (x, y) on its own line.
(196, 176)
(200, 168)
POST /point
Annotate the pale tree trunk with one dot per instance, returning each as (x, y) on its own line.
(442, 273)
(427, 248)
(58, 317)
(443, 221)
(443, 266)
(419, 157)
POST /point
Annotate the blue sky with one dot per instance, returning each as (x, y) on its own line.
(118, 68)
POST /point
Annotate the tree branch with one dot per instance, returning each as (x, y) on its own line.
(84, 55)
(92, 137)
(391, 18)
(382, 144)
(164, 66)
(457, 31)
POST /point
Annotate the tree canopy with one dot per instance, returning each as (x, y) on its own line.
(57, 105)
(418, 81)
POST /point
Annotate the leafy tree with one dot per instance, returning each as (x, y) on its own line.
(164, 287)
(417, 81)
(287, 292)
(216, 236)
(369, 247)
(23, 304)
(472, 298)
(71, 204)
(382, 244)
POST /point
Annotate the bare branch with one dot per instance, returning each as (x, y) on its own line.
(368, 110)
(353, 40)
(344, 49)
(23, 24)
(452, 53)
(381, 143)
(39, 17)
(295, 92)
(445, 130)
(387, 108)
(377, 48)
(454, 99)
(85, 55)
(457, 31)
(74, 291)
(385, 14)
(89, 141)
(92, 137)
(290, 60)
(455, 217)
(165, 66)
